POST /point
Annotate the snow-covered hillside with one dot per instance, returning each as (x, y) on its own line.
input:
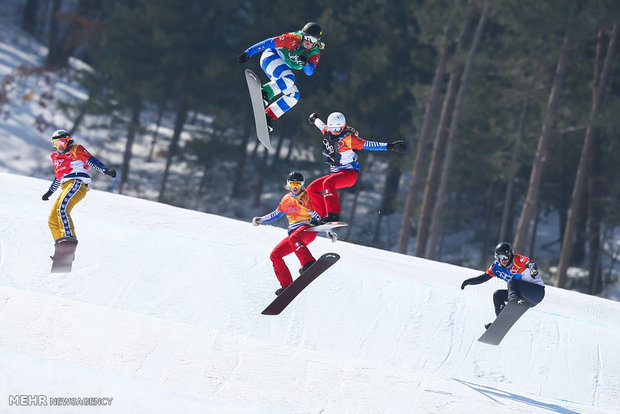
(162, 314)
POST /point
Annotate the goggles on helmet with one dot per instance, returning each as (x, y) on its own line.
(295, 184)
(502, 257)
(312, 39)
(60, 143)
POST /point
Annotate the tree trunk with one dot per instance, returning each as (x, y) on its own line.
(276, 156)
(491, 206)
(203, 182)
(132, 128)
(430, 191)
(179, 122)
(594, 223)
(580, 180)
(595, 213)
(289, 152)
(532, 251)
(29, 18)
(160, 114)
(237, 187)
(447, 162)
(422, 148)
(54, 51)
(258, 191)
(533, 191)
(390, 191)
(506, 225)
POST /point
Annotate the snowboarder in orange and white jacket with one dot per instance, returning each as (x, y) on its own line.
(297, 207)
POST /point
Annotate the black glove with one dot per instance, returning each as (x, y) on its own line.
(47, 195)
(304, 59)
(313, 116)
(243, 58)
(398, 146)
(111, 173)
(465, 283)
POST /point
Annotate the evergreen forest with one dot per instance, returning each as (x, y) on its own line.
(509, 108)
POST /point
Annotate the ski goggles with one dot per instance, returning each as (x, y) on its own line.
(502, 257)
(311, 39)
(335, 130)
(60, 143)
(295, 184)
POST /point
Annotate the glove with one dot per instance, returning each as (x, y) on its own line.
(332, 236)
(398, 146)
(47, 195)
(313, 116)
(243, 58)
(304, 59)
(111, 173)
(256, 221)
(465, 283)
(533, 269)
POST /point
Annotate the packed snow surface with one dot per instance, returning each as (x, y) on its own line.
(162, 314)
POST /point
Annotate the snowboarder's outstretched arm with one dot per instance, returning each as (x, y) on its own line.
(355, 141)
(273, 216)
(476, 280)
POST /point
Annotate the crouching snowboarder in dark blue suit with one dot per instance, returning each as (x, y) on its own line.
(519, 271)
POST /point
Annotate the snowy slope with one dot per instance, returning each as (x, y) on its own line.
(162, 313)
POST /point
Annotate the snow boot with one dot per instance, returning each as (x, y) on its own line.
(331, 217)
(486, 325)
(269, 123)
(317, 222)
(280, 290)
(306, 266)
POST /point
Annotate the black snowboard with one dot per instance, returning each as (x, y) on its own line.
(299, 284)
(64, 253)
(506, 318)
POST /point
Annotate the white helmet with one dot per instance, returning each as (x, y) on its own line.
(336, 122)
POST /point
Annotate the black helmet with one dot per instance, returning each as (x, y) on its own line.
(61, 133)
(503, 251)
(295, 177)
(312, 29)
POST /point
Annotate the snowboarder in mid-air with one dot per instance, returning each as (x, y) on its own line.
(297, 207)
(295, 50)
(339, 143)
(71, 164)
(519, 271)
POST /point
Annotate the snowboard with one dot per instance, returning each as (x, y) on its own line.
(327, 226)
(258, 107)
(299, 284)
(64, 253)
(506, 318)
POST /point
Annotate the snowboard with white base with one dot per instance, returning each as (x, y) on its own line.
(327, 226)
(258, 107)
(513, 310)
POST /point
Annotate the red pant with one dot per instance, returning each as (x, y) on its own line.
(323, 194)
(296, 242)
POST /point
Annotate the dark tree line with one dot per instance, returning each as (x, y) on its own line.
(509, 108)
